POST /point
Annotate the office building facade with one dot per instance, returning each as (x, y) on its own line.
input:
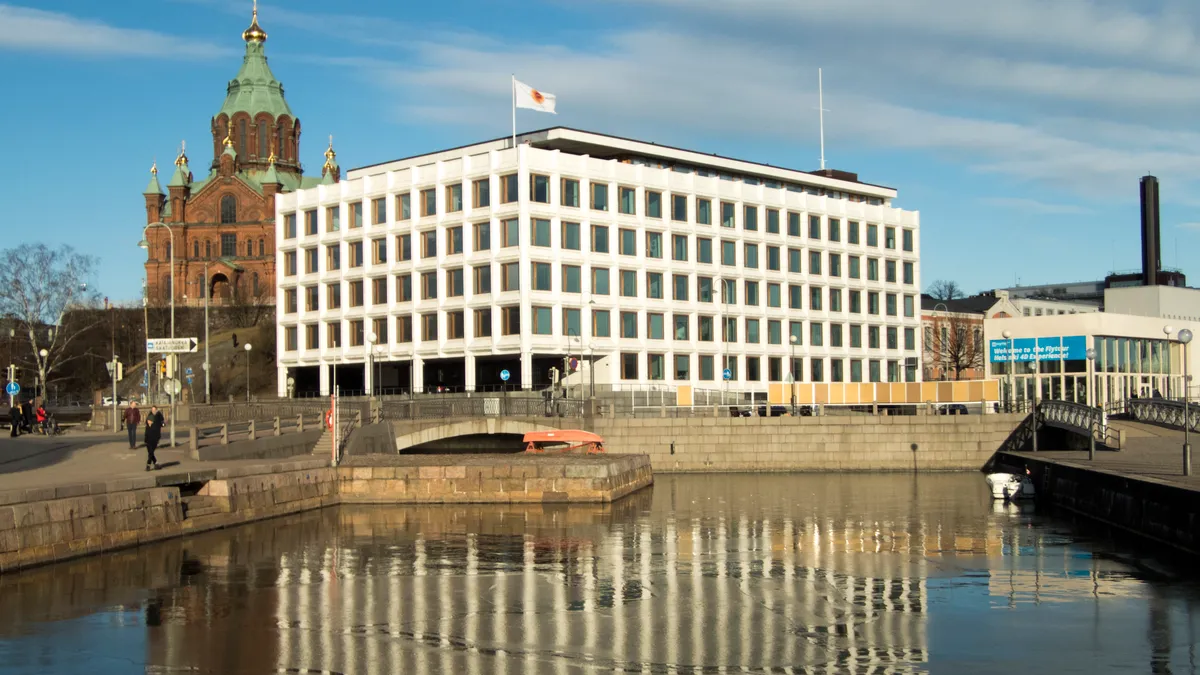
(618, 263)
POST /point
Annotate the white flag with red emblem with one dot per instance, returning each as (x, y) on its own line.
(528, 97)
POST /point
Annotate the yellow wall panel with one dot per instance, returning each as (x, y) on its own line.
(945, 392)
(896, 392)
(912, 392)
(960, 392)
(928, 391)
(804, 393)
(883, 393)
(975, 390)
(991, 390)
(821, 393)
(851, 392)
(776, 393)
(683, 395)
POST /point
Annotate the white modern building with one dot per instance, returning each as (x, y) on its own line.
(637, 264)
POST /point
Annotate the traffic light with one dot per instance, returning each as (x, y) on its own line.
(162, 368)
(120, 371)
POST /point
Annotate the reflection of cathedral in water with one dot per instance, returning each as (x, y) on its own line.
(778, 596)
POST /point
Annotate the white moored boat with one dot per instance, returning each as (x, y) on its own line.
(1010, 486)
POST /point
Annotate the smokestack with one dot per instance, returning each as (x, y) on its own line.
(1151, 252)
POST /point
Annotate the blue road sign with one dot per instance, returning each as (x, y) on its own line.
(187, 371)
(12, 389)
(504, 375)
(189, 380)
(727, 374)
(574, 364)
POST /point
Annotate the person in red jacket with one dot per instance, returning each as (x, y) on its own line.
(41, 418)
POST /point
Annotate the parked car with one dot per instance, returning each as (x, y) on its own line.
(953, 409)
(775, 411)
(108, 401)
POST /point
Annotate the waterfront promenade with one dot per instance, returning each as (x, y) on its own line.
(31, 462)
(1152, 453)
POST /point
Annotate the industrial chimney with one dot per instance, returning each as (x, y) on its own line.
(1151, 251)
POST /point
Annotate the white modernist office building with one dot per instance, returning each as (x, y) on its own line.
(636, 264)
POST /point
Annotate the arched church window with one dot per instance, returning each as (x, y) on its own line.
(242, 137)
(207, 248)
(254, 290)
(262, 139)
(262, 248)
(279, 140)
(228, 209)
(196, 248)
(249, 248)
(168, 256)
(166, 285)
(203, 286)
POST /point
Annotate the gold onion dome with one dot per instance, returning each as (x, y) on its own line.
(254, 33)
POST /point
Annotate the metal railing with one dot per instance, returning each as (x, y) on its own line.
(223, 434)
(1079, 418)
(1164, 411)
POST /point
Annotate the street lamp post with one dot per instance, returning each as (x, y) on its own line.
(1012, 394)
(1091, 359)
(145, 244)
(792, 370)
(247, 348)
(1184, 337)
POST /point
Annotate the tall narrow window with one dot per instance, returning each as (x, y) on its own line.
(242, 137)
(262, 139)
(228, 209)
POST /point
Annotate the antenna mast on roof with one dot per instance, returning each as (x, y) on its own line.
(821, 114)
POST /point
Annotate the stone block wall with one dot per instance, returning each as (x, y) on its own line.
(828, 443)
(58, 529)
(442, 480)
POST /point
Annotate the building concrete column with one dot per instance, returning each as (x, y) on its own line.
(368, 372)
(326, 378)
(281, 376)
(418, 373)
(469, 368)
(526, 368)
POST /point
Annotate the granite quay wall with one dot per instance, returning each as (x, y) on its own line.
(825, 443)
(490, 478)
(39, 526)
(264, 447)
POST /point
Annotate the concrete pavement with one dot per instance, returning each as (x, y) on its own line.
(90, 457)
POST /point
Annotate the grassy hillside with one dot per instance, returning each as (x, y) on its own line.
(228, 367)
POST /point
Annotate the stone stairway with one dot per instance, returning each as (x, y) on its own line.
(324, 445)
(200, 505)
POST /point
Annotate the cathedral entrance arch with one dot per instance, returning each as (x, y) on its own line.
(219, 288)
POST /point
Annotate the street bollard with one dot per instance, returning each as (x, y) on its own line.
(276, 427)
(253, 435)
(225, 434)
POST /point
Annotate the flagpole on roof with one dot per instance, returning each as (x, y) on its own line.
(514, 110)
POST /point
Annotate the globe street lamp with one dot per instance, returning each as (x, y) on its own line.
(1012, 394)
(1091, 359)
(1184, 337)
(247, 348)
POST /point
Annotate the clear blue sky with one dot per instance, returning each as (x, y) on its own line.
(1018, 129)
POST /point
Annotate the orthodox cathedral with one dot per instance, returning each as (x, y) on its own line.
(222, 226)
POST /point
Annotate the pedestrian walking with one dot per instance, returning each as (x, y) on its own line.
(132, 418)
(14, 417)
(27, 417)
(154, 424)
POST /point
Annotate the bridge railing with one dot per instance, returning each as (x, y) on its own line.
(227, 432)
(1080, 418)
(1164, 411)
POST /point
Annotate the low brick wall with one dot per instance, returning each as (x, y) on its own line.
(826, 443)
(492, 478)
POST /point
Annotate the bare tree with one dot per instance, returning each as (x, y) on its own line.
(945, 290)
(954, 342)
(38, 287)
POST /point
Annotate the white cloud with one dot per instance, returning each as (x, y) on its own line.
(34, 30)
(1189, 226)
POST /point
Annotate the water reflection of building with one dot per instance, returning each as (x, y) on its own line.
(633, 595)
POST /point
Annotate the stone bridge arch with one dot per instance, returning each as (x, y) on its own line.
(411, 434)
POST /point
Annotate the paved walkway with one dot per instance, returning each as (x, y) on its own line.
(1153, 453)
(89, 457)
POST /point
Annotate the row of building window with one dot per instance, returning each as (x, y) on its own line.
(630, 363)
(753, 256)
(752, 217)
(227, 248)
(653, 286)
(630, 325)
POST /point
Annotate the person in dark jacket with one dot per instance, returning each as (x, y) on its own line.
(154, 424)
(27, 411)
(14, 417)
(132, 418)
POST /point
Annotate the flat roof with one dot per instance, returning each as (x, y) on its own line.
(605, 146)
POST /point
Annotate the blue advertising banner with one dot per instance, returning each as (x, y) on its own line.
(1070, 348)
